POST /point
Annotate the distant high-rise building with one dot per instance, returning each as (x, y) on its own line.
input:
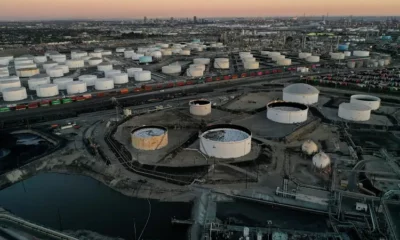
(145, 20)
(172, 19)
(195, 19)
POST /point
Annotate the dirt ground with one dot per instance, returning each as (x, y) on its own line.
(253, 101)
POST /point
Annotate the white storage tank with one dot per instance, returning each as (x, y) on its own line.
(136, 56)
(6, 60)
(171, 69)
(358, 53)
(347, 53)
(98, 50)
(185, 52)
(309, 148)
(9, 78)
(351, 64)
(88, 79)
(104, 66)
(106, 53)
(166, 52)
(287, 112)
(110, 73)
(304, 55)
(25, 65)
(120, 78)
(75, 63)
(272, 54)
(104, 84)
(76, 87)
(20, 61)
(251, 65)
(264, 53)
(65, 68)
(313, 59)
(284, 62)
(47, 90)
(225, 141)
(49, 64)
(59, 58)
(78, 54)
(221, 63)
(249, 59)
(95, 61)
(354, 112)
(277, 58)
(128, 53)
(96, 54)
(37, 80)
(371, 101)
(131, 71)
(55, 72)
(301, 93)
(156, 55)
(4, 73)
(196, 65)
(40, 59)
(120, 50)
(200, 107)
(27, 72)
(204, 61)
(142, 76)
(337, 56)
(62, 82)
(9, 84)
(321, 160)
(194, 72)
(14, 94)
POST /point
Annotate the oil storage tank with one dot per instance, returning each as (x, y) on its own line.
(37, 80)
(75, 63)
(149, 138)
(287, 112)
(105, 66)
(104, 84)
(110, 73)
(141, 76)
(62, 82)
(47, 90)
(172, 69)
(354, 112)
(65, 68)
(76, 87)
(120, 78)
(14, 94)
(321, 160)
(146, 59)
(88, 79)
(359, 53)
(40, 59)
(204, 61)
(27, 72)
(313, 59)
(301, 93)
(55, 72)
(49, 64)
(371, 101)
(95, 61)
(200, 107)
(225, 141)
(221, 63)
(131, 71)
(304, 55)
(9, 84)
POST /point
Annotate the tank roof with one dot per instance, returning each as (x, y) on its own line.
(225, 135)
(147, 132)
(354, 106)
(301, 88)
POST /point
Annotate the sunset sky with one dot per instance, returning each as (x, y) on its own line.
(103, 9)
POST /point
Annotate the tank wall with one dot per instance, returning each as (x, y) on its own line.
(304, 99)
(287, 117)
(225, 149)
(150, 143)
(354, 115)
(374, 105)
(200, 110)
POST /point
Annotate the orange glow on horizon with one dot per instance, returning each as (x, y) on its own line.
(103, 9)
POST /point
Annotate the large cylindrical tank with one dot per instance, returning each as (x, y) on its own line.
(38, 80)
(120, 50)
(6, 60)
(304, 55)
(65, 68)
(149, 138)
(354, 112)
(106, 53)
(301, 93)
(120, 78)
(98, 50)
(62, 82)
(171, 69)
(110, 73)
(287, 112)
(27, 72)
(166, 52)
(185, 52)
(104, 84)
(271, 54)
(40, 59)
(248, 59)
(128, 53)
(358, 53)
(142, 76)
(312, 59)
(9, 78)
(156, 55)
(78, 54)
(200, 66)
(95, 54)
(59, 58)
(25, 65)
(278, 57)
(194, 72)
(4, 73)
(9, 84)
(146, 59)
(351, 64)
(88, 79)
(75, 63)
(204, 61)
(49, 64)
(20, 61)
(47, 90)
(14, 94)
(371, 101)
(76, 87)
(225, 141)
(347, 53)
(284, 62)
(221, 63)
(264, 53)
(337, 56)
(95, 61)
(251, 65)
(309, 148)
(131, 71)
(176, 51)
(201, 107)
(55, 72)
(104, 66)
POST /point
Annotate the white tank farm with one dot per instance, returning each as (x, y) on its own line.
(95, 61)
(104, 67)
(194, 72)
(171, 69)
(59, 58)
(120, 78)
(25, 65)
(88, 79)
(321, 160)
(136, 56)
(221, 63)
(149, 138)
(300, 93)
(131, 71)
(225, 141)
(55, 72)
(309, 148)
(358, 53)
(49, 64)
(104, 84)
(184, 52)
(39, 59)
(128, 53)
(110, 73)
(304, 55)
(337, 56)
(106, 53)
(201, 107)
(354, 112)
(371, 101)
(166, 52)
(313, 59)
(197, 65)
(9, 84)
(14, 94)
(37, 80)
(277, 58)
(27, 72)
(251, 65)
(76, 87)
(142, 76)
(287, 112)
(96, 54)
(75, 63)
(65, 68)
(19, 61)
(120, 50)
(47, 90)
(62, 82)
(204, 61)
(284, 62)
(347, 53)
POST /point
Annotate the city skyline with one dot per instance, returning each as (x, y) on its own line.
(130, 9)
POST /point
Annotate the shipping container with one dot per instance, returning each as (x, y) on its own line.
(160, 86)
(209, 79)
(100, 94)
(33, 105)
(217, 78)
(20, 107)
(170, 85)
(87, 96)
(234, 76)
(180, 83)
(227, 77)
(267, 72)
(80, 99)
(148, 88)
(253, 74)
(45, 103)
(4, 109)
(56, 102)
(274, 71)
(124, 91)
(137, 89)
(243, 75)
(66, 100)
(260, 73)
(189, 82)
